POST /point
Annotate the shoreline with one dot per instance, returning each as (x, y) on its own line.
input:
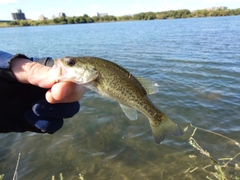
(13, 26)
(85, 19)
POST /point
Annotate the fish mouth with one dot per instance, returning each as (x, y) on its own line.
(83, 75)
(57, 70)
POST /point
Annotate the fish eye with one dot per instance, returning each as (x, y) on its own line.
(70, 62)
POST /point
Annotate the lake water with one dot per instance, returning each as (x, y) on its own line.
(196, 62)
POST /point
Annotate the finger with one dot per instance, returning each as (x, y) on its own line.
(30, 72)
(38, 75)
(59, 91)
(76, 94)
(65, 92)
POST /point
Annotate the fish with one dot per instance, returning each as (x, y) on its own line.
(112, 81)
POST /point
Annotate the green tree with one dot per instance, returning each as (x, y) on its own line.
(70, 20)
(200, 13)
(184, 13)
(108, 18)
(150, 16)
(87, 18)
(124, 18)
(63, 20)
(232, 12)
(95, 19)
(77, 20)
(237, 11)
(44, 22)
(14, 23)
(212, 13)
(80, 19)
(172, 14)
(34, 23)
(139, 16)
(113, 18)
(24, 23)
(56, 20)
(161, 15)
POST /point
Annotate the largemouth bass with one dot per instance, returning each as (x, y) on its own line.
(113, 81)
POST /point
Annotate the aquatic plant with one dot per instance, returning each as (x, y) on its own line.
(212, 168)
(221, 170)
(62, 178)
(1, 177)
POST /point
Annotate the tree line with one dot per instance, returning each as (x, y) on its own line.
(172, 14)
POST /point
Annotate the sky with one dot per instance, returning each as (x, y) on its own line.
(34, 8)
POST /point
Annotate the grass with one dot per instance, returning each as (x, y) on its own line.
(4, 24)
(62, 178)
(1, 177)
(221, 167)
(15, 176)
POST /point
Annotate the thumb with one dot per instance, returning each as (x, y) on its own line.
(39, 75)
(33, 73)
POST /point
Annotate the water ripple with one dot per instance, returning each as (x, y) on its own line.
(195, 62)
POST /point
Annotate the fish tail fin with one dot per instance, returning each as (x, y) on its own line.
(163, 126)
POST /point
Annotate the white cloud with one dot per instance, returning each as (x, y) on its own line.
(8, 1)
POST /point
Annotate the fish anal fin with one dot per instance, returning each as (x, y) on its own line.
(149, 86)
(129, 112)
(164, 127)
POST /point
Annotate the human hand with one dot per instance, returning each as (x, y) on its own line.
(36, 74)
(61, 99)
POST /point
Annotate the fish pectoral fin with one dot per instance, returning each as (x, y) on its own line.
(149, 86)
(129, 112)
(164, 127)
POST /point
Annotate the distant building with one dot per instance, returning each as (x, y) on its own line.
(18, 15)
(101, 14)
(61, 14)
(216, 8)
(53, 17)
(42, 17)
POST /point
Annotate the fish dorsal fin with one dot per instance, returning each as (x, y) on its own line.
(129, 112)
(149, 86)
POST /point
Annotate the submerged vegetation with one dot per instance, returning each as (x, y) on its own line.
(212, 168)
(172, 14)
(219, 168)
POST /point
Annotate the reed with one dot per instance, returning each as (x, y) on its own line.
(221, 166)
